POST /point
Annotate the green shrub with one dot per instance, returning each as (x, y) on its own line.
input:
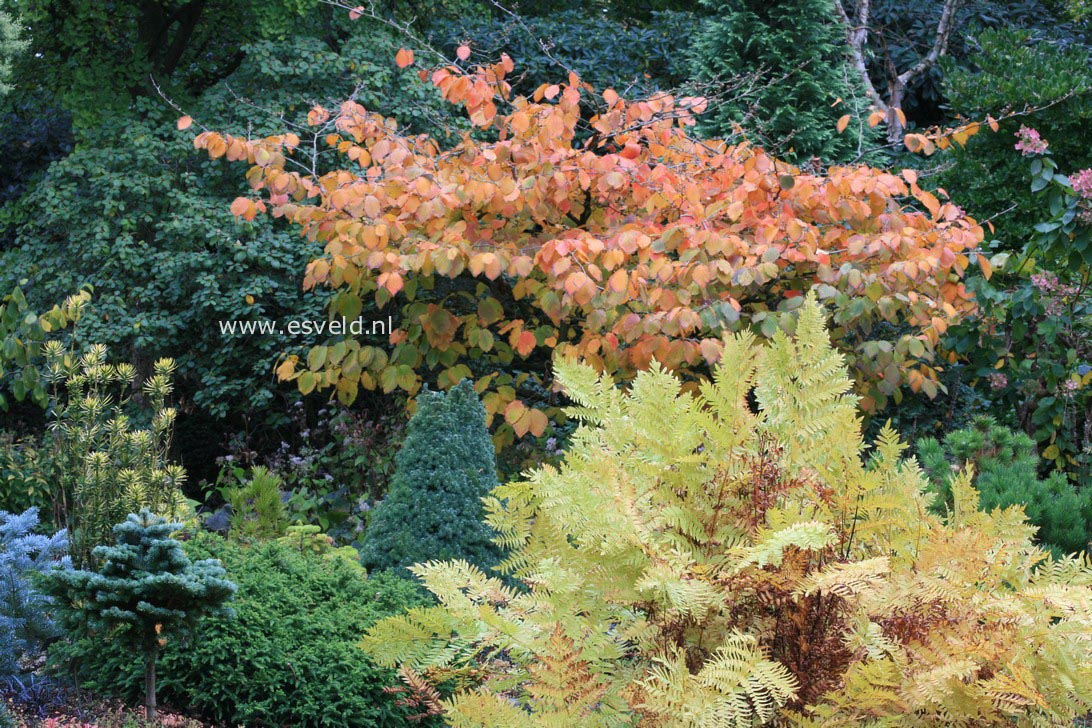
(256, 507)
(289, 658)
(444, 469)
(26, 480)
(1006, 473)
(310, 539)
(1012, 69)
(106, 465)
(798, 52)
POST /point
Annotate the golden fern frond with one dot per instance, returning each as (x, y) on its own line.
(595, 395)
(420, 637)
(770, 546)
(477, 709)
(562, 682)
(934, 686)
(868, 636)
(964, 498)
(1075, 569)
(737, 686)
(870, 688)
(662, 584)
(724, 399)
(846, 579)
(461, 586)
(739, 667)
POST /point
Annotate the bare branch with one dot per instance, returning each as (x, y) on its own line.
(940, 42)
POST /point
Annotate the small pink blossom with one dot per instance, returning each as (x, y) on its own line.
(1045, 281)
(1082, 183)
(1030, 143)
(998, 380)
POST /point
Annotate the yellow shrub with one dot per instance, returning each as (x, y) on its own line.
(701, 561)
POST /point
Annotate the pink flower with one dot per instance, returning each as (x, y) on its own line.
(1082, 183)
(1046, 281)
(1030, 142)
(998, 380)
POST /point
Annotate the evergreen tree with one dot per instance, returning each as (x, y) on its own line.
(797, 54)
(1006, 473)
(146, 586)
(434, 509)
(24, 620)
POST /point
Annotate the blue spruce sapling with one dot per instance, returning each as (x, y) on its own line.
(145, 589)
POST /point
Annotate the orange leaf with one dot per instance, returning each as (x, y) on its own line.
(463, 52)
(842, 123)
(404, 58)
(711, 349)
(184, 123)
(240, 206)
(987, 269)
(538, 422)
(619, 281)
(526, 343)
(392, 282)
(516, 415)
(356, 13)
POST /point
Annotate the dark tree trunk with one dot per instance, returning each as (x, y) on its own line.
(151, 652)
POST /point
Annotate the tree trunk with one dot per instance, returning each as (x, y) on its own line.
(150, 654)
(896, 92)
(857, 29)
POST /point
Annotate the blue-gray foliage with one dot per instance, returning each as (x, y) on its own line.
(24, 620)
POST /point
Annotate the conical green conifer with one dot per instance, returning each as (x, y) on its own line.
(434, 509)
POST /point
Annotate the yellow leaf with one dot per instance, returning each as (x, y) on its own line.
(286, 369)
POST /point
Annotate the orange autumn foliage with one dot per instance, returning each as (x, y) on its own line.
(586, 224)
